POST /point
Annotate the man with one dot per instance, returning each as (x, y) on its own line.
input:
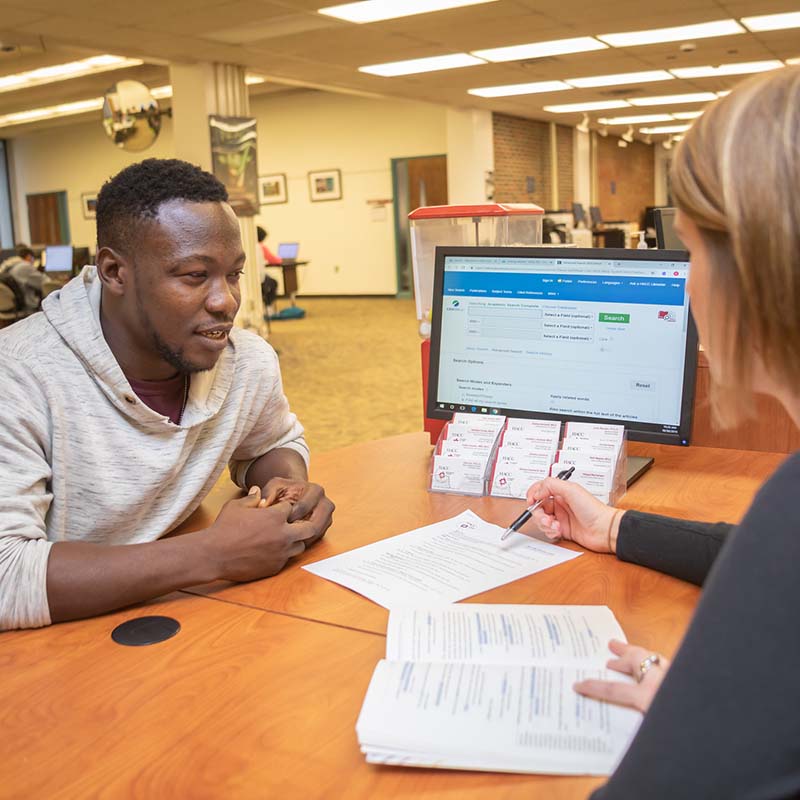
(269, 286)
(22, 269)
(124, 400)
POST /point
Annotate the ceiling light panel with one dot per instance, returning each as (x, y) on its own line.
(559, 47)
(726, 69)
(620, 79)
(772, 22)
(636, 120)
(49, 112)
(666, 129)
(520, 88)
(687, 114)
(61, 72)
(705, 30)
(673, 99)
(377, 10)
(417, 65)
(792, 61)
(578, 108)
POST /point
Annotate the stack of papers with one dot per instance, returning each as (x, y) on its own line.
(464, 453)
(440, 563)
(489, 687)
(595, 452)
(526, 451)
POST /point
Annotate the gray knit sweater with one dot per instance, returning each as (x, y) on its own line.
(83, 459)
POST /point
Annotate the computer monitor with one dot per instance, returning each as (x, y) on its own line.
(288, 251)
(578, 213)
(596, 216)
(58, 258)
(666, 238)
(570, 334)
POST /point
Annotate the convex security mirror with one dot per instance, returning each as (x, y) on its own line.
(131, 117)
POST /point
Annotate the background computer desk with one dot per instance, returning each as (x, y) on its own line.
(258, 695)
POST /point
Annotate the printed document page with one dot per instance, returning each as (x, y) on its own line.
(513, 718)
(503, 634)
(440, 563)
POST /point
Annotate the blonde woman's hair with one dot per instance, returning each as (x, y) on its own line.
(736, 175)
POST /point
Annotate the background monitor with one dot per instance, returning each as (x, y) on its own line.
(288, 251)
(666, 238)
(578, 213)
(58, 258)
(600, 335)
(597, 217)
(81, 256)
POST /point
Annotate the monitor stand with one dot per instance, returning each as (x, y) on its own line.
(636, 467)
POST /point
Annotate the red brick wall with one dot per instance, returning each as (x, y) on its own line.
(522, 151)
(626, 179)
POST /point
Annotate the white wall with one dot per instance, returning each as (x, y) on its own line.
(350, 247)
(77, 159)
(582, 169)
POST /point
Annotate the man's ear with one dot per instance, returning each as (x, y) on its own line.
(114, 270)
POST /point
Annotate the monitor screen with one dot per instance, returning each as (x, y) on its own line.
(578, 213)
(288, 251)
(597, 217)
(557, 333)
(58, 258)
(666, 238)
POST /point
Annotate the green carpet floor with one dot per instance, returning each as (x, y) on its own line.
(351, 369)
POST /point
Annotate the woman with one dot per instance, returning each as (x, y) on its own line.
(725, 721)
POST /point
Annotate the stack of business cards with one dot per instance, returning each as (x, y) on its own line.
(526, 451)
(595, 452)
(465, 453)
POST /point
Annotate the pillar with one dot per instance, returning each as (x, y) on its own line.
(470, 155)
(197, 91)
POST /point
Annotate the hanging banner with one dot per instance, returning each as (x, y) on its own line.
(233, 159)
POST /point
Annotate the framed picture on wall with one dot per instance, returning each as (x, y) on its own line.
(325, 184)
(272, 189)
(89, 205)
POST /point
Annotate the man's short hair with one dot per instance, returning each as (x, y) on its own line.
(23, 251)
(260, 233)
(137, 192)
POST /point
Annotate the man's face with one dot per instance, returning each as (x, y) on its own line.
(185, 283)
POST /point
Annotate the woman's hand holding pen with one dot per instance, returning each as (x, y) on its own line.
(569, 512)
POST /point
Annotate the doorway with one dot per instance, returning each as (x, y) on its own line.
(48, 219)
(420, 181)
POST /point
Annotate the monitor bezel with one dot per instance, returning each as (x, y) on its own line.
(296, 246)
(658, 218)
(637, 431)
(60, 270)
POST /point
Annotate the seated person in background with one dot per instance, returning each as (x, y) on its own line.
(124, 400)
(269, 286)
(22, 268)
(722, 721)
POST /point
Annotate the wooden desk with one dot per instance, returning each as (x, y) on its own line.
(244, 703)
(240, 704)
(378, 488)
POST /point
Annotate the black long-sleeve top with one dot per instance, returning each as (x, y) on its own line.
(726, 721)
